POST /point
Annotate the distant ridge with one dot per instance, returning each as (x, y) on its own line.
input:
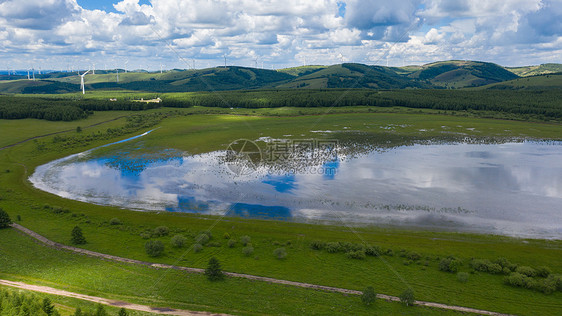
(452, 74)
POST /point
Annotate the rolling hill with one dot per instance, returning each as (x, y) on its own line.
(439, 75)
(461, 74)
(543, 69)
(354, 76)
(539, 82)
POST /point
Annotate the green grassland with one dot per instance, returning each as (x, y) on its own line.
(538, 82)
(542, 69)
(32, 263)
(190, 131)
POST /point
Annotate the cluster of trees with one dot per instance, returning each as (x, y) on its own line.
(16, 303)
(541, 104)
(51, 109)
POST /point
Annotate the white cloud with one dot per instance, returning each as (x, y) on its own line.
(279, 32)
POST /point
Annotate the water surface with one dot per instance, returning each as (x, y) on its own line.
(511, 189)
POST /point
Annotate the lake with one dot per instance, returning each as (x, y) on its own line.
(512, 189)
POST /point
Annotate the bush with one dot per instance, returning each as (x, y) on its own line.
(332, 247)
(407, 297)
(547, 286)
(280, 253)
(317, 245)
(5, 220)
(161, 231)
(77, 238)
(519, 280)
(527, 271)
(226, 236)
(202, 239)
(462, 277)
(213, 271)
(178, 241)
(373, 251)
(450, 264)
(368, 297)
(543, 271)
(231, 243)
(197, 248)
(414, 256)
(245, 240)
(248, 250)
(556, 279)
(154, 248)
(484, 265)
(115, 221)
(357, 254)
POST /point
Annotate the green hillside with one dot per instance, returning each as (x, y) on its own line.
(25, 86)
(461, 74)
(541, 82)
(526, 71)
(355, 76)
(302, 70)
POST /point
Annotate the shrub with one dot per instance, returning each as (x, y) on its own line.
(484, 265)
(5, 220)
(248, 250)
(208, 233)
(543, 271)
(146, 235)
(226, 236)
(368, 297)
(450, 264)
(503, 262)
(373, 251)
(213, 271)
(161, 231)
(317, 245)
(414, 256)
(76, 236)
(154, 248)
(231, 243)
(202, 239)
(115, 221)
(356, 254)
(407, 297)
(332, 247)
(462, 277)
(389, 252)
(245, 240)
(527, 271)
(280, 253)
(197, 248)
(556, 279)
(179, 241)
(547, 286)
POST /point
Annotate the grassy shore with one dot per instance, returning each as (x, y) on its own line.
(54, 218)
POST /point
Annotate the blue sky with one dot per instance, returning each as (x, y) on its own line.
(71, 34)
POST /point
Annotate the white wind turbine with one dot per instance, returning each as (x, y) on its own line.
(82, 81)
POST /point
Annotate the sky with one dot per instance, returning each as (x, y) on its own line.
(273, 34)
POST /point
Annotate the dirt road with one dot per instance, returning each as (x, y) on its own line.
(104, 301)
(245, 276)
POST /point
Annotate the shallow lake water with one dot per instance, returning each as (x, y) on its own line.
(512, 189)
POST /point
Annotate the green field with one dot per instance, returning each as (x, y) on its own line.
(190, 131)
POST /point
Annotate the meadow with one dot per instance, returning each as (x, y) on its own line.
(416, 254)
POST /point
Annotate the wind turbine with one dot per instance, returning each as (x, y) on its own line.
(33, 71)
(94, 71)
(225, 61)
(28, 74)
(82, 81)
(117, 75)
(126, 63)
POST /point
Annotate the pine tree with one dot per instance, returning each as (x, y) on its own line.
(368, 296)
(48, 307)
(213, 271)
(5, 220)
(77, 236)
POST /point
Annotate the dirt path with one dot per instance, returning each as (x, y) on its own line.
(104, 301)
(59, 132)
(245, 276)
